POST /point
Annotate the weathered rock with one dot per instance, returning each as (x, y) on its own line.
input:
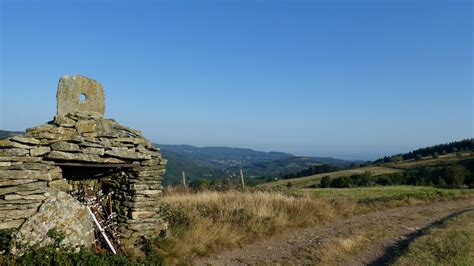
(39, 151)
(24, 140)
(61, 212)
(127, 154)
(66, 156)
(11, 224)
(19, 159)
(64, 121)
(15, 182)
(37, 129)
(69, 94)
(23, 197)
(13, 152)
(28, 174)
(151, 162)
(5, 164)
(64, 146)
(23, 187)
(86, 126)
(17, 213)
(61, 185)
(92, 150)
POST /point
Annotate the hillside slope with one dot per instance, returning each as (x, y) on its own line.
(230, 160)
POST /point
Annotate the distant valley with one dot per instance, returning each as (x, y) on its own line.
(219, 162)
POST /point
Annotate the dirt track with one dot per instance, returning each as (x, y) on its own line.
(376, 238)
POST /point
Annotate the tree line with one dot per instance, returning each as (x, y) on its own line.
(453, 175)
(433, 151)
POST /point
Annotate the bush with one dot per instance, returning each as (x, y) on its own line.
(326, 182)
(342, 182)
(418, 157)
(454, 175)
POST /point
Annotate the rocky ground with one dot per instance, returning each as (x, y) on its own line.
(371, 239)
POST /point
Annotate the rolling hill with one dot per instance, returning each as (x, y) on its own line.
(226, 161)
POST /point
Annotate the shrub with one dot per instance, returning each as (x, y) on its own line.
(342, 182)
(325, 182)
(454, 175)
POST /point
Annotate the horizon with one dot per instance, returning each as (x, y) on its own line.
(353, 81)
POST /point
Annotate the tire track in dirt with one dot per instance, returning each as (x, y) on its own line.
(369, 239)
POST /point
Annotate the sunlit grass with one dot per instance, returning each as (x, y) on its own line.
(208, 221)
(449, 244)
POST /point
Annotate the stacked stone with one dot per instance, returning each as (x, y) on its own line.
(28, 167)
(25, 179)
(31, 166)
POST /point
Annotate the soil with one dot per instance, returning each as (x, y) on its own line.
(391, 232)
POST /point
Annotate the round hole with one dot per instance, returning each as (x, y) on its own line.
(82, 98)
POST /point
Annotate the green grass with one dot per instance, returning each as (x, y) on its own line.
(452, 243)
(388, 192)
(388, 196)
(308, 181)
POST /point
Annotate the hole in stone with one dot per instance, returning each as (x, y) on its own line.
(82, 97)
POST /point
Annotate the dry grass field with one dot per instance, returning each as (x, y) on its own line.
(207, 222)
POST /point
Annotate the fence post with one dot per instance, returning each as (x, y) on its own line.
(242, 178)
(184, 179)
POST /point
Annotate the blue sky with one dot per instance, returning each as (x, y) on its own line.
(349, 79)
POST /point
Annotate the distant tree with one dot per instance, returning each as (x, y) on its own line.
(397, 158)
(454, 175)
(444, 152)
(355, 165)
(454, 149)
(325, 182)
(435, 155)
(342, 182)
(418, 157)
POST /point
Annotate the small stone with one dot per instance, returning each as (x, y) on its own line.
(61, 185)
(127, 154)
(92, 150)
(19, 159)
(64, 121)
(14, 182)
(85, 126)
(66, 156)
(25, 187)
(5, 164)
(39, 151)
(65, 146)
(26, 140)
(13, 152)
(27, 174)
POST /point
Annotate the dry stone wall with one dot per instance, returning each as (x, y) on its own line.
(33, 166)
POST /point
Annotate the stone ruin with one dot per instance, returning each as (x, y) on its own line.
(80, 145)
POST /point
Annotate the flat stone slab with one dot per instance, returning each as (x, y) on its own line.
(80, 94)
